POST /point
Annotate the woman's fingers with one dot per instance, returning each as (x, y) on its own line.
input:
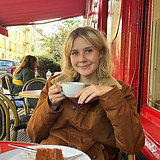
(88, 93)
(55, 89)
(56, 99)
(55, 95)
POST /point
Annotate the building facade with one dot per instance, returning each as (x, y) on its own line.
(21, 41)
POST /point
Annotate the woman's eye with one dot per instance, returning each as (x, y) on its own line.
(89, 51)
(74, 53)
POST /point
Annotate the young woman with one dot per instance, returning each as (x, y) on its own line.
(102, 118)
(23, 73)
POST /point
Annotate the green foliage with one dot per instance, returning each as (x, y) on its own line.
(53, 44)
(45, 63)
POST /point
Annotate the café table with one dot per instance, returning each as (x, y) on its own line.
(34, 94)
(30, 94)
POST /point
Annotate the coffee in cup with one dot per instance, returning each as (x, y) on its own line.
(70, 89)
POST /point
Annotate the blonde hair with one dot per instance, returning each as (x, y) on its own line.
(97, 40)
(28, 62)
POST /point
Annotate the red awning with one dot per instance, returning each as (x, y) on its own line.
(24, 12)
(3, 31)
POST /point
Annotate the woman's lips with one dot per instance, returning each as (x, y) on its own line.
(84, 67)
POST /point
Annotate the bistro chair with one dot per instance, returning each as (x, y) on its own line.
(10, 119)
(3, 112)
(3, 84)
(18, 101)
(33, 84)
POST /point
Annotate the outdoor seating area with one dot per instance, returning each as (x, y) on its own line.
(13, 118)
(112, 47)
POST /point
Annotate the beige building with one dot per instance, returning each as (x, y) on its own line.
(21, 41)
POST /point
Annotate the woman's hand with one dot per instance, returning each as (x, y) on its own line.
(55, 96)
(88, 93)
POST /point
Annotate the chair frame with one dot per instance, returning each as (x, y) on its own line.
(11, 95)
(27, 84)
(2, 77)
(33, 80)
(18, 122)
(3, 121)
(6, 106)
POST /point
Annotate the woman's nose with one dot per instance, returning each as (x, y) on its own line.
(82, 57)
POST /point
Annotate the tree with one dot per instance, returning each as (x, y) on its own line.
(53, 44)
(45, 63)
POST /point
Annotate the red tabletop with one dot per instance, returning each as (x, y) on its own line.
(4, 145)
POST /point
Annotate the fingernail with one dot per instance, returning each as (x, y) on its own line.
(86, 101)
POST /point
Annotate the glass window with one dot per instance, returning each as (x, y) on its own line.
(15, 47)
(16, 35)
(4, 42)
(154, 74)
(19, 36)
(10, 46)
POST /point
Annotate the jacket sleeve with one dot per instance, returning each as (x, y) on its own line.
(122, 111)
(42, 118)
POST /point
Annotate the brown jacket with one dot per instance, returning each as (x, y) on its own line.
(97, 128)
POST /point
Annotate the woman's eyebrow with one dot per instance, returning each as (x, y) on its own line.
(83, 48)
(88, 47)
(74, 50)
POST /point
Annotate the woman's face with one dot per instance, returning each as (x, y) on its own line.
(84, 57)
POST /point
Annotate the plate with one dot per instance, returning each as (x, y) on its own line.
(19, 154)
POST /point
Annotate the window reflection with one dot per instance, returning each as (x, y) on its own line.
(154, 81)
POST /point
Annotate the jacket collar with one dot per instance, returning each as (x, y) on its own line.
(107, 81)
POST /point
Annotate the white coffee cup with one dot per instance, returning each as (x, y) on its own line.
(70, 89)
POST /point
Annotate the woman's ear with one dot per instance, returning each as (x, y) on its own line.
(102, 50)
(100, 56)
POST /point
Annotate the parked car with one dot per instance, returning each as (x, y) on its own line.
(17, 62)
(7, 66)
